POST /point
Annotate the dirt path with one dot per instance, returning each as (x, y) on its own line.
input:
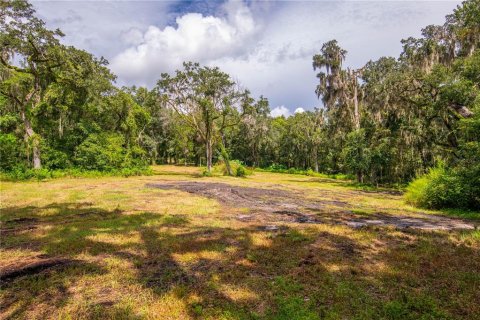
(270, 206)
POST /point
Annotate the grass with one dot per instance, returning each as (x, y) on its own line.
(146, 253)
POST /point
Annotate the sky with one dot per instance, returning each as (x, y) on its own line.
(266, 46)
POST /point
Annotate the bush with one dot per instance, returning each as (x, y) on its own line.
(134, 171)
(20, 172)
(207, 173)
(444, 188)
(241, 171)
(106, 152)
(54, 159)
(9, 151)
(135, 157)
(238, 169)
(277, 168)
(100, 152)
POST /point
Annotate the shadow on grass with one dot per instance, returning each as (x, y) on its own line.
(242, 273)
(49, 287)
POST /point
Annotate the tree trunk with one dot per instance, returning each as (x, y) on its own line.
(359, 176)
(208, 148)
(30, 135)
(355, 102)
(255, 156)
(226, 159)
(37, 163)
(315, 159)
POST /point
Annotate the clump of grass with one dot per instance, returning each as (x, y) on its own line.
(295, 236)
(174, 220)
(362, 212)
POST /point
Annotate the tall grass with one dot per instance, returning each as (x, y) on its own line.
(441, 188)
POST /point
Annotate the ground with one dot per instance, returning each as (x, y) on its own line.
(176, 245)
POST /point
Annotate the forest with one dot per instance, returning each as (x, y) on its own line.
(389, 122)
(190, 199)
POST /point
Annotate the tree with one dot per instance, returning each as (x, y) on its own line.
(206, 98)
(25, 37)
(357, 154)
(331, 87)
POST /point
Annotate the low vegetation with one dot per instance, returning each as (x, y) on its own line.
(228, 212)
(445, 188)
(385, 123)
(142, 247)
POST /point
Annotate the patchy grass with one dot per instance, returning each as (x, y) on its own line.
(133, 252)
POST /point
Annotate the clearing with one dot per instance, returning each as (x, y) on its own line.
(271, 246)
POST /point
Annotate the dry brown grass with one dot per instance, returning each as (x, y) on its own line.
(146, 253)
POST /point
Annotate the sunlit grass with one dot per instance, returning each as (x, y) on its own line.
(145, 253)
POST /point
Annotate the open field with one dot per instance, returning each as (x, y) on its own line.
(271, 246)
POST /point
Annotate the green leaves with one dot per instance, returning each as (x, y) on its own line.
(356, 154)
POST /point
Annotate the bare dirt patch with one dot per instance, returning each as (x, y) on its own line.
(275, 205)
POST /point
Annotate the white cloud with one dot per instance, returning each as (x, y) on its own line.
(267, 46)
(133, 36)
(100, 26)
(299, 110)
(280, 111)
(194, 38)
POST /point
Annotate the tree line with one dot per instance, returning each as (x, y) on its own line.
(386, 122)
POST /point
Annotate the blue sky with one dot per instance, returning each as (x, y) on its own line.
(267, 46)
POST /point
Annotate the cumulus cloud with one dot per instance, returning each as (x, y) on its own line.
(133, 36)
(100, 27)
(194, 38)
(280, 111)
(299, 110)
(266, 46)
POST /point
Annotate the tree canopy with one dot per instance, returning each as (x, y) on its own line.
(387, 122)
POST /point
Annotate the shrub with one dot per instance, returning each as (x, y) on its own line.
(9, 151)
(135, 171)
(135, 157)
(277, 168)
(106, 152)
(444, 188)
(23, 173)
(238, 169)
(207, 173)
(100, 152)
(18, 173)
(54, 159)
(241, 171)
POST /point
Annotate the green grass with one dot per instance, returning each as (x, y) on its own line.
(47, 174)
(145, 253)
